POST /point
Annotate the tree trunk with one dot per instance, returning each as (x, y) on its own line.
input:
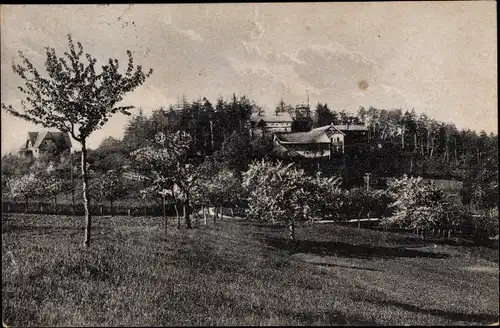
(101, 210)
(428, 143)
(456, 157)
(221, 213)
(183, 215)
(212, 135)
(72, 184)
(232, 212)
(26, 205)
(55, 204)
(446, 156)
(86, 199)
(111, 208)
(403, 138)
(415, 140)
(215, 214)
(291, 229)
(187, 218)
(145, 211)
(204, 215)
(176, 211)
(164, 212)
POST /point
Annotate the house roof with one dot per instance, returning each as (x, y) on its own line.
(351, 127)
(32, 136)
(284, 117)
(303, 137)
(343, 127)
(327, 127)
(36, 138)
(282, 150)
(41, 137)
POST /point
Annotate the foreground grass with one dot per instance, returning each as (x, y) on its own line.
(237, 273)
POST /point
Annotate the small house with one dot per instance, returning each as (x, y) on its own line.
(38, 143)
(351, 133)
(276, 122)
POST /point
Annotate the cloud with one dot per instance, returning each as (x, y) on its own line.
(252, 52)
(189, 33)
(257, 32)
(333, 66)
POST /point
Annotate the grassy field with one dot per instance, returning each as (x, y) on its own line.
(237, 273)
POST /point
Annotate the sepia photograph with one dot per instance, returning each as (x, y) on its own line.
(250, 164)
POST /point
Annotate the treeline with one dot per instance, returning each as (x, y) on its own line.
(400, 142)
(218, 132)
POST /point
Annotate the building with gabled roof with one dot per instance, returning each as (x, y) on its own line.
(311, 144)
(353, 133)
(38, 143)
(277, 122)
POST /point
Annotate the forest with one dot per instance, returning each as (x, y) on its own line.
(401, 143)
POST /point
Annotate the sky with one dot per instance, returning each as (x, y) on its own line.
(436, 57)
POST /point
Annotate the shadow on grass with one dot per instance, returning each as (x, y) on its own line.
(456, 316)
(36, 228)
(331, 318)
(343, 266)
(473, 242)
(307, 318)
(347, 250)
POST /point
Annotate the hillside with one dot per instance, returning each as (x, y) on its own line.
(237, 273)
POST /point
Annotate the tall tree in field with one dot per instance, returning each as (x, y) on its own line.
(417, 205)
(224, 187)
(25, 187)
(166, 167)
(277, 192)
(110, 186)
(74, 99)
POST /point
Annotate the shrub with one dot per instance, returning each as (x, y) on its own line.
(417, 205)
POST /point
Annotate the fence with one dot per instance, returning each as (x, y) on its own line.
(99, 209)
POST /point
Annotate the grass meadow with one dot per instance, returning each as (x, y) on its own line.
(235, 272)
